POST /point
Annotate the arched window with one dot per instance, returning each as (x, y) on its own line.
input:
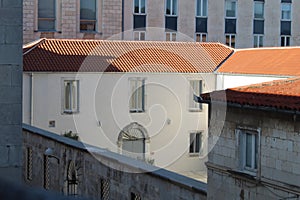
(72, 180)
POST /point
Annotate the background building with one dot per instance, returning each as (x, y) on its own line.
(239, 24)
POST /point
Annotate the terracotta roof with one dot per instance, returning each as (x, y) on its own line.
(67, 55)
(279, 94)
(269, 61)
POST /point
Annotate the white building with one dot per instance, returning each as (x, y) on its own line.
(135, 98)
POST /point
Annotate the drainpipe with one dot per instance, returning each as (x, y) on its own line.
(31, 99)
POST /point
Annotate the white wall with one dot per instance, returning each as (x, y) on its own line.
(104, 98)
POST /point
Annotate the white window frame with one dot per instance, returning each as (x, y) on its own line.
(241, 133)
(285, 40)
(171, 6)
(140, 8)
(201, 37)
(201, 8)
(136, 85)
(230, 39)
(193, 136)
(259, 18)
(259, 37)
(173, 36)
(195, 106)
(229, 17)
(139, 34)
(75, 108)
(281, 9)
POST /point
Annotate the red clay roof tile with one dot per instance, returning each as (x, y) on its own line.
(279, 94)
(270, 61)
(67, 55)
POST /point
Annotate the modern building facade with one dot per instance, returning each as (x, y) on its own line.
(237, 23)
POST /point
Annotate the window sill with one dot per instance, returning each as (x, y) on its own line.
(136, 111)
(47, 31)
(195, 110)
(194, 155)
(69, 112)
(244, 173)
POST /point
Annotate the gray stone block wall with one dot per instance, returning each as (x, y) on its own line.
(11, 89)
(279, 158)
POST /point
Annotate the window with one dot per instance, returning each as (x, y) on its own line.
(248, 149)
(195, 89)
(258, 41)
(105, 189)
(71, 96)
(137, 92)
(201, 9)
(258, 22)
(87, 15)
(201, 37)
(135, 196)
(230, 40)
(139, 22)
(72, 179)
(46, 15)
(171, 7)
(201, 25)
(195, 143)
(139, 7)
(170, 36)
(285, 41)
(230, 9)
(139, 35)
(286, 11)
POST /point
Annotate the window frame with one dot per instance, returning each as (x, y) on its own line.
(76, 109)
(172, 35)
(192, 105)
(139, 8)
(200, 36)
(285, 37)
(230, 40)
(201, 8)
(281, 11)
(139, 35)
(235, 13)
(193, 149)
(54, 19)
(241, 136)
(95, 21)
(259, 37)
(171, 6)
(137, 108)
(263, 14)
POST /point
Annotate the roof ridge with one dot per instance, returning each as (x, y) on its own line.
(33, 45)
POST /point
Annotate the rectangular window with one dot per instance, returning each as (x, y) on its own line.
(285, 27)
(139, 35)
(46, 15)
(285, 41)
(137, 95)
(171, 7)
(258, 26)
(71, 96)
(139, 22)
(201, 24)
(88, 15)
(170, 36)
(258, 41)
(139, 7)
(195, 89)
(230, 9)
(201, 8)
(105, 189)
(258, 10)
(201, 37)
(230, 40)
(248, 149)
(195, 143)
(286, 11)
(171, 23)
(230, 26)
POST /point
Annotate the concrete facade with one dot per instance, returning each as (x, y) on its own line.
(11, 89)
(67, 20)
(104, 113)
(94, 168)
(277, 175)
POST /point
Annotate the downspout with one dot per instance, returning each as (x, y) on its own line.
(122, 19)
(31, 99)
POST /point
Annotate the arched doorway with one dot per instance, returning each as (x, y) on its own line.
(132, 141)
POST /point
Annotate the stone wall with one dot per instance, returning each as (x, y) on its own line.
(10, 88)
(278, 173)
(96, 172)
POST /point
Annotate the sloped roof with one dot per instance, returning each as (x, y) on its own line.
(69, 55)
(267, 61)
(279, 94)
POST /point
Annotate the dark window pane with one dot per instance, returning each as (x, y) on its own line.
(139, 21)
(286, 1)
(46, 25)
(230, 26)
(168, 7)
(285, 28)
(136, 6)
(258, 27)
(46, 9)
(201, 25)
(171, 23)
(259, 10)
(198, 142)
(192, 142)
(88, 9)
